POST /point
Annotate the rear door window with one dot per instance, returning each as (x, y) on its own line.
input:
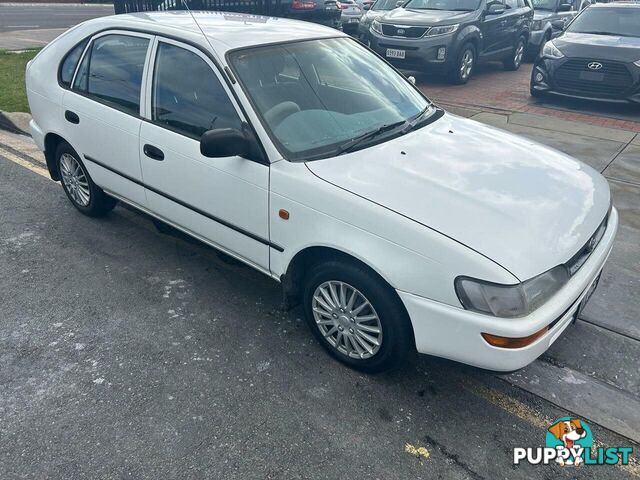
(111, 71)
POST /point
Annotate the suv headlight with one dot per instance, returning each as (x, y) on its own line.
(536, 25)
(551, 51)
(510, 301)
(376, 27)
(445, 29)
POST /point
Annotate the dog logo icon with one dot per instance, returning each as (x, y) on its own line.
(569, 436)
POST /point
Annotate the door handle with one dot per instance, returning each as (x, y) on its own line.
(153, 152)
(72, 117)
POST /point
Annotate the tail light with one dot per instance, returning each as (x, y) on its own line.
(303, 5)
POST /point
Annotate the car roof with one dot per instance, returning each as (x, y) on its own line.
(626, 4)
(224, 30)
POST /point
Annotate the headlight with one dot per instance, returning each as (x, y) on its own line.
(551, 51)
(510, 301)
(637, 64)
(536, 25)
(376, 27)
(433, 31)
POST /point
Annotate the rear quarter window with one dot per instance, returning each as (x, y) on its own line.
(70, 62)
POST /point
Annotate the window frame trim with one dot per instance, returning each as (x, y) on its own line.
(149, 84)
(116, 31)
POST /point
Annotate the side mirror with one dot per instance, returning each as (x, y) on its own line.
(367, 6)
(224, 142)
(412, 79)
(558, 25)
(399, 3)
(495, 9)
(564, 7)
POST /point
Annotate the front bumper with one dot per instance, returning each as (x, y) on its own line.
(549, 68)
(420, 53)
(451, 332)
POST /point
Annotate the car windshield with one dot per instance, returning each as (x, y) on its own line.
(449, 5)
(316, 97)
(623, 21)
(544, 4)
(384, 5)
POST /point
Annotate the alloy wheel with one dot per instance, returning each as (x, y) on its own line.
(466, 65)
(347, 319)
(75, 179)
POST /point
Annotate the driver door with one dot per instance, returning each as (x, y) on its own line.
(222, 201)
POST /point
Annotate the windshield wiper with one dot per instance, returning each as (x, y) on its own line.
(352, 144)
(417, 119)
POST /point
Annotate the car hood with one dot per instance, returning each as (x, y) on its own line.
(542, 14)
(609, 47)
(527, 207)
(407, 16)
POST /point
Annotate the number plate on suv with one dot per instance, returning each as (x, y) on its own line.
(395, 53)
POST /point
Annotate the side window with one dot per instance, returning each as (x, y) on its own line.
(511, 4)
(521, 4)
(70, 62)
(111, 71)
(187, 95)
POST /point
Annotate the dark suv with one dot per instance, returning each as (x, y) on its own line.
(452, 36)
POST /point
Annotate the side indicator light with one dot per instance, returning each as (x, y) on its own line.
(283, 214)
(507, 342)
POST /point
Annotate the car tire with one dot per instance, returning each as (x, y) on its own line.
(514, 60)
(85, 195)
(346, 326)
(465, 64)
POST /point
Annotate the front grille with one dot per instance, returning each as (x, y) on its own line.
(579, 259)
(612, 80)
(403, 31)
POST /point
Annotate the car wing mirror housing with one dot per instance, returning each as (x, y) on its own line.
(230, 142)
(366, 6)
(564, 7)
(495, 9)
(557, 25)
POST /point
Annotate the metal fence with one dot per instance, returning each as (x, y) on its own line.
(257, 7)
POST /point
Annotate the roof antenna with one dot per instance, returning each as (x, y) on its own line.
(193, 17)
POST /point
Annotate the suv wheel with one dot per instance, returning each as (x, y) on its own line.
(85, 195)
(464, 65)
(356, 317)
(514, 61)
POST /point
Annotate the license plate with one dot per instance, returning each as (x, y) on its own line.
(395, 53)
(353, 20)
(588, 296)
(592, 76)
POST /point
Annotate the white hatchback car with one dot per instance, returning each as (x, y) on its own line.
(297, 150)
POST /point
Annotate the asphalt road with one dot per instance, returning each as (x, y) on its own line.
(15, 17)
(128, 353)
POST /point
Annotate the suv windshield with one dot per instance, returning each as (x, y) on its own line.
(449, 5)
(623, 22)
(384, 5)
(545, 5)
(319, 98)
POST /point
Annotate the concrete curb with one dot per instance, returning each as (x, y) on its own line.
(9, 124)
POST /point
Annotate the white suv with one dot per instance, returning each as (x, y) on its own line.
(297, 150)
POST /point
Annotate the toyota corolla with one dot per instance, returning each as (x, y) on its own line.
(395, 225)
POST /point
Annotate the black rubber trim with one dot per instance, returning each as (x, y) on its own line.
(190, 207)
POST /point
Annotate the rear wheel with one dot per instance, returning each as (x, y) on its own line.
(465, 65)
(85, 195)
(514, 61)
(357, 317)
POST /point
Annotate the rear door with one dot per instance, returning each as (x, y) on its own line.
(102, 111)
(223, 201)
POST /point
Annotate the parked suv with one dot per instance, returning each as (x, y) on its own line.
(451, 36)
(547, 14)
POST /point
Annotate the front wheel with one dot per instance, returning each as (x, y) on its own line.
(514, 60)
(464, 65)
(357, 317)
